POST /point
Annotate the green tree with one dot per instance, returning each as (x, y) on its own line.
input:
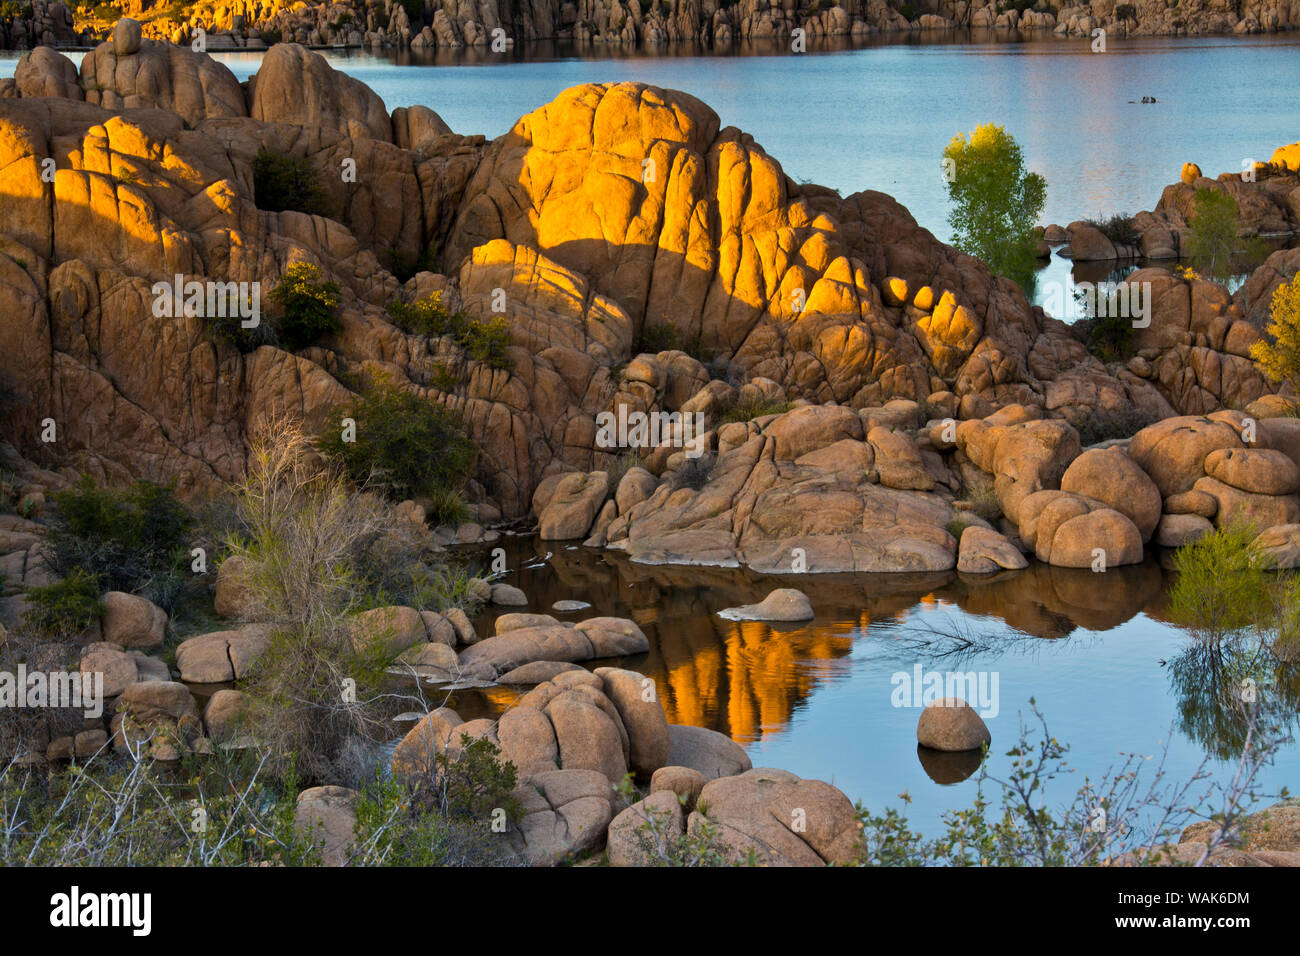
(1213, 232)
(1278, 356)
(996, 202)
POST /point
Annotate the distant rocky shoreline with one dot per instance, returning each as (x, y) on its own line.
(448, 24)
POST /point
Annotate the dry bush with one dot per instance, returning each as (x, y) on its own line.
(316, 699)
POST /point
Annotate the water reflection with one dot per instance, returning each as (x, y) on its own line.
(1221, 686)
(1095, 651)
(748, 679)
(946, 769)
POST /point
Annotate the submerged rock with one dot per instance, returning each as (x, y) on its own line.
(783, 604)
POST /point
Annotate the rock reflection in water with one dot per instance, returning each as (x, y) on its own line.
(748, 679)
(949, 768)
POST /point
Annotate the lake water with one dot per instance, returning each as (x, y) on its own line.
(878, 117)
(1107, 670)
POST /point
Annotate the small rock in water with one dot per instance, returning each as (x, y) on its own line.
(783, 604)
(508, 595)
(952, 725)
(569, 606)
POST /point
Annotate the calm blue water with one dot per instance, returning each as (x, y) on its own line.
(1109, 674)
(879, 117)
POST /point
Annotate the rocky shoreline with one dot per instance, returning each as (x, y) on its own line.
(447, 24)
(883, 367)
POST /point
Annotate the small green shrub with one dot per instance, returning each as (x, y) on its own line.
(666, 337)
(1213, 231)
(1223, 583)
(65, 608)
(487, 342)
(1117, 228)
(1126, 11)
(1108, 337)
(444, 379)
(1106, 424)
(633, 458)
(287, 183)
(661, 844)
(693, 474)
(748, 410)
(444, 506)
(134, 540)
(427, 316)
(230, 328)
(446, 819)
(410, 447)
(309, 307)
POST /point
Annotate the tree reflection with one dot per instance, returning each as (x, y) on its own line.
(1220, 684)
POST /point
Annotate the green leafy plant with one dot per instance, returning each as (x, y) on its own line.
(309, 307)
(444, 379)
(666, 337)
(995, 201)
(287, 183)
(1223, 583)
(1118, 228)
(449, 818)
(1213, 230)
(446, 506)
(749, 409)
(133, 540)
(406, 445)
(487, 342)
(65, 608)
(427, 316)
(1108, 337)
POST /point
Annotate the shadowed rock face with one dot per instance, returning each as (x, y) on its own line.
(613, 209)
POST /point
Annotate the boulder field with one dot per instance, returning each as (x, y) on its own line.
(573, 738)
(905, 381)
